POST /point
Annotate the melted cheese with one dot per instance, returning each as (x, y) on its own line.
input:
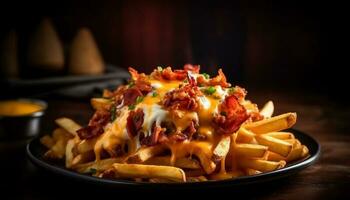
(115, 134)
(208, 107)
(186, 148)
(152, 113)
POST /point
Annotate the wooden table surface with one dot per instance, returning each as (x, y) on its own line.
(318, 115)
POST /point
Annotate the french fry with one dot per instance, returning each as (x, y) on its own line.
(149, 171)
(267, 110)
(203, 152)
(145, 153)
(275, 145)
(98, 166)
(281, 135)
(86, 145)
(272, 156)
(244, 136)
(221, 149)
(68, 125)
(295, 153)
(57, 151)
(100, 103)
(184, 162)
(60, 134)
(273, 124)
(250, 150)
(83, 158)
(47, 141)
(197, 179)
(69, 152)
(294, 142)
(305, 151)
(261, 165)
(252, 171)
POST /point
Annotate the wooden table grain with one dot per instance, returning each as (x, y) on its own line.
(325, 120)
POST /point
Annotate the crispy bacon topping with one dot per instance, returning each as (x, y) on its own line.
(190, 130)
(183, 98)
(232, 115)
(131, 95)
(178, 74)
(140, 86)
(134, 122)
(96, 124)
(220, 79)
(156, 136)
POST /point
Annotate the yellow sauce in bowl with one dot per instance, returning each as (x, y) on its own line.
(18, 108)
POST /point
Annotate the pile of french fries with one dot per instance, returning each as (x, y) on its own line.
(257, 147)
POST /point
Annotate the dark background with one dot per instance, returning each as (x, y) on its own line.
(272, 48)
(272, 44)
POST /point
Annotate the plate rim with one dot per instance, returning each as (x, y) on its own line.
(266, 176)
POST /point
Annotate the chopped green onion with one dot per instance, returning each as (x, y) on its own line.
(154, 94)
(210, 90)
(113, 113)
(206, 76)
(231, 90)
(160, 68)
(132, 107)
(131, 83)
(139, 99)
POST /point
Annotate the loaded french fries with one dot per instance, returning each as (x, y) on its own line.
(176, 126)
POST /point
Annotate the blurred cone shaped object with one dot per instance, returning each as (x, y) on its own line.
(84, 56)
(8, 56)
(45, 49)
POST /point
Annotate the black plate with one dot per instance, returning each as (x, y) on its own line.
(35, 152)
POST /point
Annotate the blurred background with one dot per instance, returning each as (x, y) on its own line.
(258, 44)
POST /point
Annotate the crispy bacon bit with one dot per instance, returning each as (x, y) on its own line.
(177, 137)
(231, 116)
(220, 79)
(89, 132)
(169, 74)
(239, 92)
(131, 95)
(256, 116)
(144, 86)
(192, 68)
(184, 98)
(134, 122)
(96, 124)
(190, 130)
(141, 86)
(155, 137)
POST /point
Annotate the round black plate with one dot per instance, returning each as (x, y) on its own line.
(35, 152)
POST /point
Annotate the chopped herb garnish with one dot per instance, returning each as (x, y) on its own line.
(132, 107)
(93, 170)
(185, 81)
(223, 113)
(154, 94)
(160, 68)
(210, 90)
(139, 99)
(231, 90)
(113, 113)
(131, 83)
(206, 76)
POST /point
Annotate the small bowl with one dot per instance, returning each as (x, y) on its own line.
(22, 126)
